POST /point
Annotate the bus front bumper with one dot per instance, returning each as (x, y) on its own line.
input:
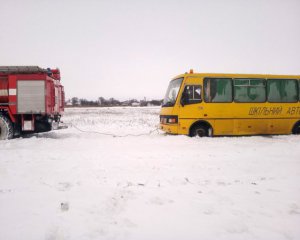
(169, 128)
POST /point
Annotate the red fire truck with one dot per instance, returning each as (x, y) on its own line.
(31, 100)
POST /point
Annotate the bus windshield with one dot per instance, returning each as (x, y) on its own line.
(172, 92)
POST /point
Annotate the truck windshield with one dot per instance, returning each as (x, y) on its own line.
(172, 92)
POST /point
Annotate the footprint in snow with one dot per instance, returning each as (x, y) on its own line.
(64, 186)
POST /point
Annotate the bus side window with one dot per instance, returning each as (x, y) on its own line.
(299, 90)
(282, 90)
(191, 94)
(249, 90)
(218, 90)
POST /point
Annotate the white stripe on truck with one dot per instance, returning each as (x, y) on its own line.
(12, 91)
(3, 92)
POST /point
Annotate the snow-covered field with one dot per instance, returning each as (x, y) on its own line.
(70, 184)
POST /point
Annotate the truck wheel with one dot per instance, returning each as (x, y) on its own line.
(6, 128)
(199, 131)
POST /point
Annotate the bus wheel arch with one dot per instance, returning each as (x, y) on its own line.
(296, 128)
(201, 128)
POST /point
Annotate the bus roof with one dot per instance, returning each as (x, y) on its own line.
(237, 75)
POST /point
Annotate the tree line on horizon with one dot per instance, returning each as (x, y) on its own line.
(110, 102)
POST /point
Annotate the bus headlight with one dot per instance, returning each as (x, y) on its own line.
(170, 119)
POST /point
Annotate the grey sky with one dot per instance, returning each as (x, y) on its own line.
(133, 48)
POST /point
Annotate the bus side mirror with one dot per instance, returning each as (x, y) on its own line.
(183, 100)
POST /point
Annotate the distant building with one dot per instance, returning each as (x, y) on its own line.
(135, 104)
(125, 103)
(68, 102)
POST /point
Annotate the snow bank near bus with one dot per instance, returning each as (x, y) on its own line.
(68, 184)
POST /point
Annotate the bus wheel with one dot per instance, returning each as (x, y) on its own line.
(6, 128)
(199, 131)
(296, 129)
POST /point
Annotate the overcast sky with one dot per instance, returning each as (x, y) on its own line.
(132, 48)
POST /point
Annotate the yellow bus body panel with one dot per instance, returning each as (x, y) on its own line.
(233, 118)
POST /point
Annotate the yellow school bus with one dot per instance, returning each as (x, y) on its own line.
(209, 104)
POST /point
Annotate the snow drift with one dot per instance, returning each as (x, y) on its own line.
(69, 184)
